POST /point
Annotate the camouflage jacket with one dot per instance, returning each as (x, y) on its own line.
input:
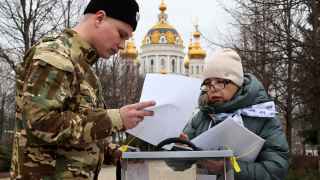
(61, 121)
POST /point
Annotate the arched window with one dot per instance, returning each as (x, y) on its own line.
(148, 41)
(163, 40)
(197, 70)
(173, 65)
(151, 66)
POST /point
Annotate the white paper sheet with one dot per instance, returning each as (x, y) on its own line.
(245, 144)
(176, 97)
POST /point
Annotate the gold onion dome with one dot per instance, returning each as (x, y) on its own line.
(130, 50)
(186, 62)
(195, 49)
(196, 52)
(162, 32)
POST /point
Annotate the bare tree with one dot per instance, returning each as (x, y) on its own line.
(7, 109)
(309, 68)
(22, 24)
(2, 115)
(270, 46)
(120, 80)
(71, 11)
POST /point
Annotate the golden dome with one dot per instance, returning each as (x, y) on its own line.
(186, 62)
(195, 49)
(161, 25)
(130, 51)
(162, 32)
(196, 52)
(165, 30)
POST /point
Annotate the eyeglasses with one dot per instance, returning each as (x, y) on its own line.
(214, 84)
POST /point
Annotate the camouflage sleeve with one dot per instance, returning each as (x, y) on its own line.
(47, 115)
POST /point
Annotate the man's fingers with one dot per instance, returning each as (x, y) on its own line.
(141, 113)
(147, 113)
(142, 105)
(135, 113)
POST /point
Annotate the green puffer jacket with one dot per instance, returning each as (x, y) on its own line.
(272, 161)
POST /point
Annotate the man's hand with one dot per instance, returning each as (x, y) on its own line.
(184, 136)
(112, 154)
(132, 114)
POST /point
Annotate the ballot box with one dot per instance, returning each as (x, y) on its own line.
(156, 165)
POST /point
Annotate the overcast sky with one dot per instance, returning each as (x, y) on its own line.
(213, 21)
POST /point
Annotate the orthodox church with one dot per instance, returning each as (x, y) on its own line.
(163, 51)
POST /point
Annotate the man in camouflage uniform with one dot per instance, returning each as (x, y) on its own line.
(61, 119)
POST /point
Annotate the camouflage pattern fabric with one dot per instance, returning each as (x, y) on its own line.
(61, 121)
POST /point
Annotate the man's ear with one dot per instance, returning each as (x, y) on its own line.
(99, 17)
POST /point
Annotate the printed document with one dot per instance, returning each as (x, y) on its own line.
(176, 98)
(228, 134)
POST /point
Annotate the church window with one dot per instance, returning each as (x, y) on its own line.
(148, 40)
(151, 66)
(163, 40)
(173, 64)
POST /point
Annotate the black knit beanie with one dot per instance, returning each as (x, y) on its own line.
(123, 10)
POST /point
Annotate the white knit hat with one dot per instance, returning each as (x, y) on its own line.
(224, 64)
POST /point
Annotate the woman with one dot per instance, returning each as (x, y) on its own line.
(228, 92)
